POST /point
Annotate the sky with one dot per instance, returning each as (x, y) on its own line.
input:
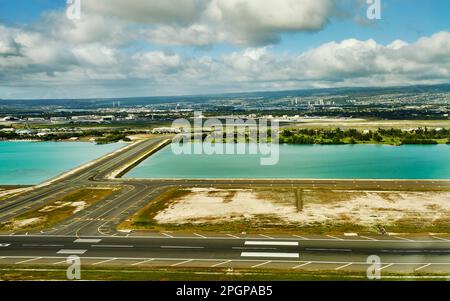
(134, 48)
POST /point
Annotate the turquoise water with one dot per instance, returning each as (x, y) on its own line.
(299, 161)
(28, 163)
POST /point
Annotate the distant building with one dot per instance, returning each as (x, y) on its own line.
(166, 131)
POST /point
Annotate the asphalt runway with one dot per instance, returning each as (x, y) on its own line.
(99, 222)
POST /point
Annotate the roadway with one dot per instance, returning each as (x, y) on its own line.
(100, 221)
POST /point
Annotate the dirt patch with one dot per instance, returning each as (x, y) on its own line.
(322, 211)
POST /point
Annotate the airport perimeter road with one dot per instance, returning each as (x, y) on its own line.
(351, 255)
(87, 176)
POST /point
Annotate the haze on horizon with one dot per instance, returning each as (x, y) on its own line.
(185, 47)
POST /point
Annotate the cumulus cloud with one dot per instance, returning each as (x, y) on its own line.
(207, 22)
(33, 60)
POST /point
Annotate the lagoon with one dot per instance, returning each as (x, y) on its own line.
(306, 162)
(29, 163)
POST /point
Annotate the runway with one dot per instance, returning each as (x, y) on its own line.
(350, 255)
(107, 246)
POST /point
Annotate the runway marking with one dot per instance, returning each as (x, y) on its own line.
(422, 267)
(301, 237)
(234, 236)
(260, 264)
(71, 252)
(200, 235)
(385, 267)
(252, 248)
(4, 245)
(38, 245)
(269, 255)
(28, 260)
(220, 263)
(104, 261)
(142, 262)
(343, 266)
(86, 240)
(168, 235)
(369, 238)
(334, 250)
(180, 263)
(271, 243)
(440, 238)
(301, 265)
(181, 247)
(403, 238)
(112, 246)
(334, 237)
(266, 236)
(60, 262)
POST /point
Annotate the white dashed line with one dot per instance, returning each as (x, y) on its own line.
(385, 267)
(271, 243)
(181, 247)
(104, 261)
(180, 263)
(168, 235)
(28, 260)
(440, 238)
(334, 237)
(266, 236)
(220, 263)
(301, 265)
(301, 237)
(343, 266)
(234, 236)
(422, 267)
(142, 262)
(398, 237)
(199, 235)
(260, 264)
(369, 238)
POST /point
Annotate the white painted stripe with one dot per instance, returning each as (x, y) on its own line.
(112, 246)
(422, 267)
(181, 247)
(402, 238)
(269, 255)
(331, 250)
(71, 252)
(165, 234)
(28, 260)
(301, 265)
(199, 235)
(220, 263)
(183, 262)
(4, 245)
(87, 241)
(104, 261)
(234, 236)
(385, 267)
(301, 237)
(369, 238)
(334, 237)
(343, 266)
(271, 243)
(266, 236)
(142, 262)
(440, 238)
(260, 264)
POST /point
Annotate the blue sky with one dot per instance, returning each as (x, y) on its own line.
(168, 44)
